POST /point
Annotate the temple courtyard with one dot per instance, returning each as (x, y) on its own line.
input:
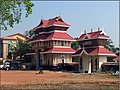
(57, 80)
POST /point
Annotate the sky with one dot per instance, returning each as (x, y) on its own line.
(81, 15)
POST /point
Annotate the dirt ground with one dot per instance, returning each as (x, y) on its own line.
(57, 80)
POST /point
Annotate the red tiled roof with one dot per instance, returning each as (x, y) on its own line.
(96, 51)
(53, 35)
(93, 35)
(117, 58)
(57, 20)
(58, 50)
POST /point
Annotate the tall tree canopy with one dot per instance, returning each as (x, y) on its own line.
(20, 49)
(11, 11)
(109, 45)
(30, 33)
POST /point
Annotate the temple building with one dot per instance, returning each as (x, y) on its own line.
(52, 44)
(92, 53)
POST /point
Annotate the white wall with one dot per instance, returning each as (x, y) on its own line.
(58, 59)
(102, 59)
(85, 62)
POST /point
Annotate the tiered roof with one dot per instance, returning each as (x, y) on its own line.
(57, 21)
(53, 36)
(58, 50)
(46, 35)
(93, 35)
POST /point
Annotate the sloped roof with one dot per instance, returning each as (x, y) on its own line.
(117, 58)
(52, 36)
(95, 51)
(11, 37)
(93, 35)
(54, 21)
(58, 50)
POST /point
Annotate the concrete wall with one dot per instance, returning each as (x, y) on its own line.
(85, 59)
(57, 58)
(102, 59)
(5, 44)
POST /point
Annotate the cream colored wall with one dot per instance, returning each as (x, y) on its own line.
(102, 59)
(85, 63)
(5, 51)
(58, 59)
(5, 48)
(5, 45)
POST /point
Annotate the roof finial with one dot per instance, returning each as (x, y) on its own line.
(85, 31)
(91, 30)
(98, 28)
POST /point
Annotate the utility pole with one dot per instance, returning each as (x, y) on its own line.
(0, 36)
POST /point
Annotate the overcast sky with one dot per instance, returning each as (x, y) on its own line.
(81, 15)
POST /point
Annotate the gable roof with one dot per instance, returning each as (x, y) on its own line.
(95, 51)
(52, 22)
(15, 35)
(94, 35)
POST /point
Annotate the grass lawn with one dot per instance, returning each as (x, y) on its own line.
(57, 80)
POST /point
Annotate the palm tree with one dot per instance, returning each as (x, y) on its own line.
(21, 48)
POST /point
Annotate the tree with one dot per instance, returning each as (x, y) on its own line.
(109, 45)
(21, 48)
(11, 11)
(29, 34)
(75, 45)
(117, 51)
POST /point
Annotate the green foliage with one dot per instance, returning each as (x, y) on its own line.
(75, 45)
(21, 48)
(109, 45)
(29, 34)
(11, 11)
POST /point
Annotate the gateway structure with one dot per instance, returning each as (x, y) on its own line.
(52, 44)
(92, 53)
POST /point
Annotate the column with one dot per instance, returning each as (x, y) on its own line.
(37, 59)
(89, 64)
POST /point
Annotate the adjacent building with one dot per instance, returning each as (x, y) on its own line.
(6, 41)
(52, 44)
(92, 53)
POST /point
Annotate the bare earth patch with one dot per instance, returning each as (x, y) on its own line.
(57, 80)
